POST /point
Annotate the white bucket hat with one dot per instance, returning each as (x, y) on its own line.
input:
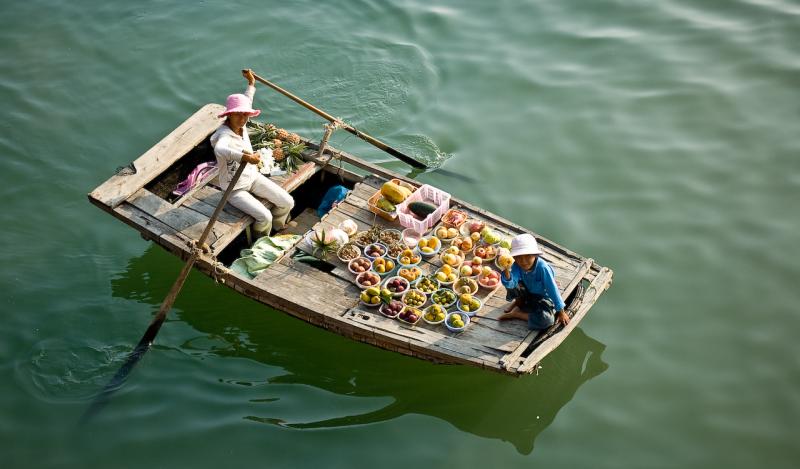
(524, 244)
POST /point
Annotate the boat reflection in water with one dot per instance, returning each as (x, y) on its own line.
(482, 403)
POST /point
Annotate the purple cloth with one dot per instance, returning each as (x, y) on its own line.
(197, 174)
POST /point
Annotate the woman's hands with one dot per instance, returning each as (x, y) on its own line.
(249, 76)
(252, 158)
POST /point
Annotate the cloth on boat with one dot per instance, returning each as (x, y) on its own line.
(262, 254)
(540, 280)
(334, 195)
(541, 313)
(197, 174)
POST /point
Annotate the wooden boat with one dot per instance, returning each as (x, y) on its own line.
(324, 294)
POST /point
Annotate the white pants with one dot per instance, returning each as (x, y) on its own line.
(280, 201)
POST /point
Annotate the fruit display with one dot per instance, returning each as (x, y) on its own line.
(389, 236)
(452, 257)
(486, 252)
(465, 285)
(444, 297)
(359, 265)
(394, 193)
(456, 322)
(348, 252)
(373, 296)
(410, 274)
(395, 250)
(368, 279)
(505, 243)
(375, 250)
(474, 226)
(410, 315)
(446, 275)
(464, 243)
(392, 308)
(454, 218)
(468, 303)
(397, 285)
(489, 278)
(429, 245)
(471, 268)
(444, 232)
(382, 265)
(427, 285)
(409, 257)
(363, 238)
(385, 205)
(420, 209)
(414, 298)
(490, 237)
(434, 314)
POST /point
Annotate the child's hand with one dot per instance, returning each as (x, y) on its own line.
(561, 317)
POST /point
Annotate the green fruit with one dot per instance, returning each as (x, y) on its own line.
(421, 209)
(372, 291)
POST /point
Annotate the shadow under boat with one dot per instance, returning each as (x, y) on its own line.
(489, 405)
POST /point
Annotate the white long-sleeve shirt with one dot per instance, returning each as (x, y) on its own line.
(229, 148)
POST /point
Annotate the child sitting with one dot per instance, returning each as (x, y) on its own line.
(531, 283)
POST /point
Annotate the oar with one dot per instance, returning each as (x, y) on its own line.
(155, 325)
(374, 141)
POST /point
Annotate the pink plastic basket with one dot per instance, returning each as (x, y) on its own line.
(428, 194)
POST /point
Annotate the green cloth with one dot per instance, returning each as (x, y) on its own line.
(262, 254)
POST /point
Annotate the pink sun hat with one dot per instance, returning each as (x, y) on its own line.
(239, 103)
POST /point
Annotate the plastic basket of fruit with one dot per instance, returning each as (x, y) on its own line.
(464, 244)
(489, 278)
(456, 322)
(444, 297)
(412, 274)
(348, 252)
(427, 285)
(409, 315)
(491, 237)
(454, 218)
(464, 283)
(368, 279)
(446, 275)
(468, 304)
(391, 309)
(384, 201)
(434, 314)
(397, 285)
(471, 226)
(395, 250)
(415, 298)
(375, 250)
(423, 208)
(429, 246)
(371, 297)
(445, 233)
(359, 265)
(487, 252)
(383, 266)
(453, 257)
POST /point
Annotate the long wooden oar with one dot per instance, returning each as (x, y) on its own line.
(155, 325)
(374, 141)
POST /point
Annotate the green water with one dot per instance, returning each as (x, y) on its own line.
(658, 138)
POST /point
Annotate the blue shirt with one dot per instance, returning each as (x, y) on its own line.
(540, 280)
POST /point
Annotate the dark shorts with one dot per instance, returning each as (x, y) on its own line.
(541, 311)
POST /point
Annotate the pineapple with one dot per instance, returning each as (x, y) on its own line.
(294, 139)
(282, 134)
(277, 154)
(324, 245)
(277, 143)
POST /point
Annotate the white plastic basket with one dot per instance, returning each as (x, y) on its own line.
(428, 194)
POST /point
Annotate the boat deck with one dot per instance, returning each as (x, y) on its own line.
(328, 297)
